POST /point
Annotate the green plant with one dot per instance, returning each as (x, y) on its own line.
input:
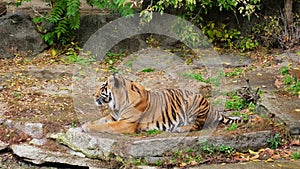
(112, 58)
(153, 132)
(288, 80)
(226, 149)
(232, 127)
(219, 34)
(252, 107)
(16, 94)
(235, 103)
(275, 142)
(194, 10)
(158, 163)
(189, 156)
(247, 43)
(196, 76)
(207, 148)
(147, 70)
(285, 70)
(291, 83)
(295, 87)
(235, 72)
(65, 17)
(73, 125)
(215, 80)
(72, 55)
(296, 155)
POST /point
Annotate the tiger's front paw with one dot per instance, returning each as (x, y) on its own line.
(75, 129)
(85, 127)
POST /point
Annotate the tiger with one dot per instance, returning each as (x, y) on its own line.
(135, 109)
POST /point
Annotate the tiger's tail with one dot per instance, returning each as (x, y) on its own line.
(230, 119)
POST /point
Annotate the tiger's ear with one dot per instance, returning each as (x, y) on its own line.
(113, 80)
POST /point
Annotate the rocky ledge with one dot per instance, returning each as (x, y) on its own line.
(99, 148)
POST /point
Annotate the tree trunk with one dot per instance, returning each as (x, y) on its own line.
(288, 10)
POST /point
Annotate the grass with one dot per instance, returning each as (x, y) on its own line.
(153, 132)
(275, 141)
(296, 155)
(147, 70)
(112, 58)
(232, 127)
(235, 103)
(214, 80)
(292, 84)
(234, 73)
(196, 76)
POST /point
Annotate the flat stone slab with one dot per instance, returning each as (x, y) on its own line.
(104, 145)
(38, 155)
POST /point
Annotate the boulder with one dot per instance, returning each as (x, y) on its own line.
(38, 155)
(19, 36)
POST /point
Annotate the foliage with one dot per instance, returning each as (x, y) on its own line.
(218, 33)
(285, 70)
(227, 149)
(72, 55)
(235, 72)
(247, 43)
(112, 58)
(195, 10)
(274, 32)
(65, 17)
(232, 127)
(153, 132)
(147, 70)
(296, 155)
(195, 156)
(196, 76)
(292, 84)
(211, 149)
(235, 103)
(275, 142)
(214, 80)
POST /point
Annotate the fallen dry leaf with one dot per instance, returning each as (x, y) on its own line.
(194, 163)
(253, 152)
(275, 156)
(295, 143)
(182, 164)
(269, 160)
(255, 157)
(278, 83)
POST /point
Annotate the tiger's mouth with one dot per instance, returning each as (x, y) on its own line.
(99, 102)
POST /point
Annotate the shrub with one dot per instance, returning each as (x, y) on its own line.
(65, 17)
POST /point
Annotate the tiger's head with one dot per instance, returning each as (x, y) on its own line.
(118, 91)
(102, 94)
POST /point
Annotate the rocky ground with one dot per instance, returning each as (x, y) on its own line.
(43, 97)
(48, 94)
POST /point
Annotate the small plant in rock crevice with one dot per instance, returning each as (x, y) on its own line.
(296, 155)
(291, 83)
(275, 141)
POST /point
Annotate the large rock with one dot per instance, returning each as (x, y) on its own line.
(89, 145)
(104, 145)
(19, 36)
(38, 155)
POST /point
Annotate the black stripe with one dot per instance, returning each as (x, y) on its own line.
(157, 124)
